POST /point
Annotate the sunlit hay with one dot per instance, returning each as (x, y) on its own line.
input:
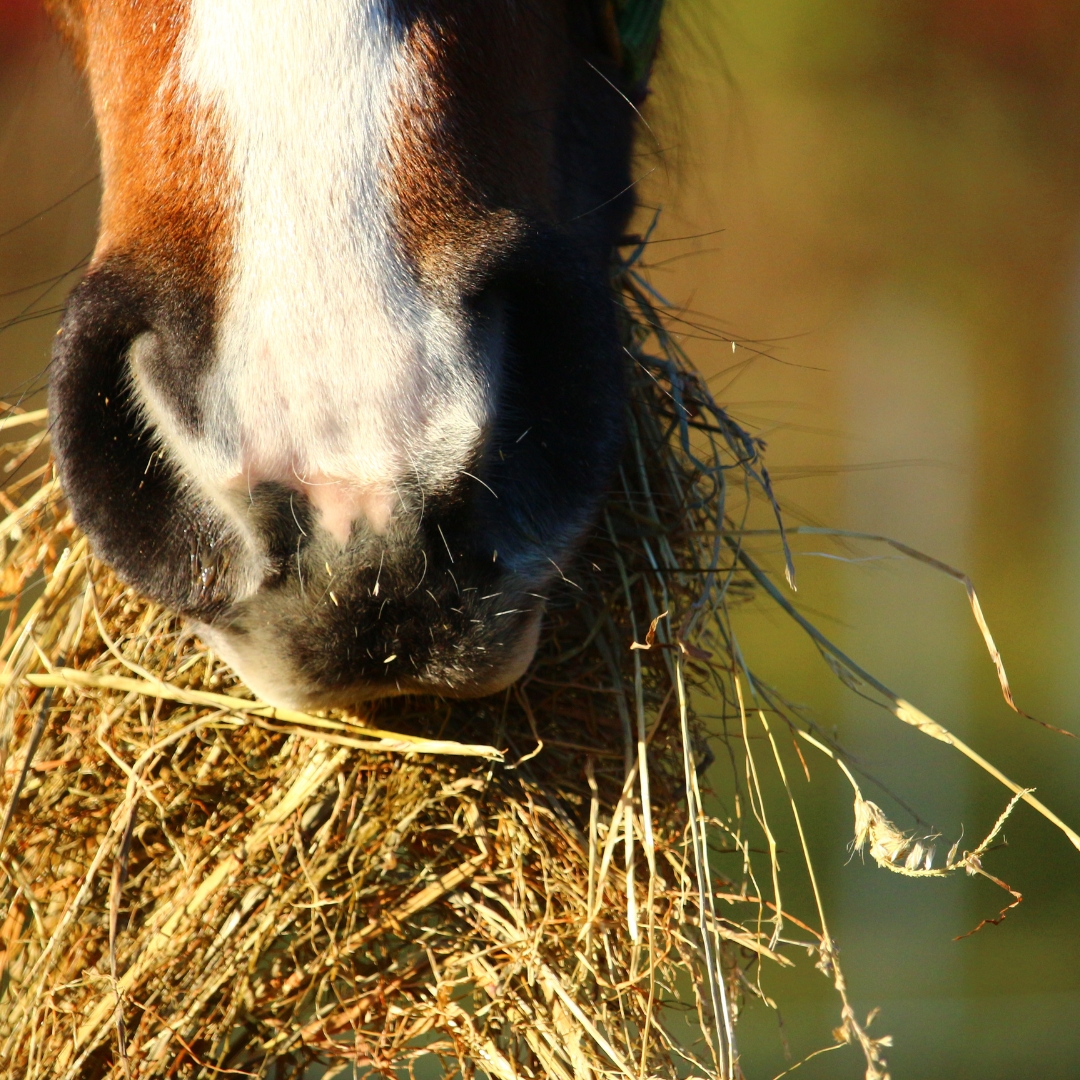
(194, 884)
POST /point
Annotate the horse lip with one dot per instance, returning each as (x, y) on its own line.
(266, 679)
(511, 670)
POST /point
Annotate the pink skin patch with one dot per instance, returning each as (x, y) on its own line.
(338, 502)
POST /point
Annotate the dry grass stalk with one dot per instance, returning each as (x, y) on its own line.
(193, 884)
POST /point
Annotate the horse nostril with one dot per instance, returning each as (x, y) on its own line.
(140, 516)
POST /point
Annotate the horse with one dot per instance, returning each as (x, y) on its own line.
(343, 384)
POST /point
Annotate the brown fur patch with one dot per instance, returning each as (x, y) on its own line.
(474, 140)
(166, 198)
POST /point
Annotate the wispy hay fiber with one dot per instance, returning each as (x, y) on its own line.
(193, 884)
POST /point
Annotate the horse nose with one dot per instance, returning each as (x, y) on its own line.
(339, 504)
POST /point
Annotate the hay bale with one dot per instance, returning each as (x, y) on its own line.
(193, 884)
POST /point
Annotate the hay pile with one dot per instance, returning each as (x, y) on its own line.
(196, 885)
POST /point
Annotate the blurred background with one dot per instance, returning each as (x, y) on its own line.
(880, 204)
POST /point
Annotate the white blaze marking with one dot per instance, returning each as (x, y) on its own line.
(333, 373)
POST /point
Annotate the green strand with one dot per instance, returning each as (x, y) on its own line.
(638, 23)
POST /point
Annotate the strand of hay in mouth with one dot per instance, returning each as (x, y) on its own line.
(196, 885)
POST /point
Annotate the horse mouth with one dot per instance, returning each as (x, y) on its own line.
(280, 673)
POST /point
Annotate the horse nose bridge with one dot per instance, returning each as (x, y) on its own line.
(346, 403)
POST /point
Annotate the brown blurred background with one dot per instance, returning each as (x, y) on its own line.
(885, 205)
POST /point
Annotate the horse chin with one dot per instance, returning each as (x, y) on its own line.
(509, 672)
(274, 680)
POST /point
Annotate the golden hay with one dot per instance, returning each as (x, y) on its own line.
(194, 884)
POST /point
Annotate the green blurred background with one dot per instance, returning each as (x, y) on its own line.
(885, 205)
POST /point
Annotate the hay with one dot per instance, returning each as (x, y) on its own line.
(195, 884)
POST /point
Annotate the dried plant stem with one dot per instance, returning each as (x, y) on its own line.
(14, 420)
(372, 738)
(898, 706)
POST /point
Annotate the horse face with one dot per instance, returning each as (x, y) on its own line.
(342, 383)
